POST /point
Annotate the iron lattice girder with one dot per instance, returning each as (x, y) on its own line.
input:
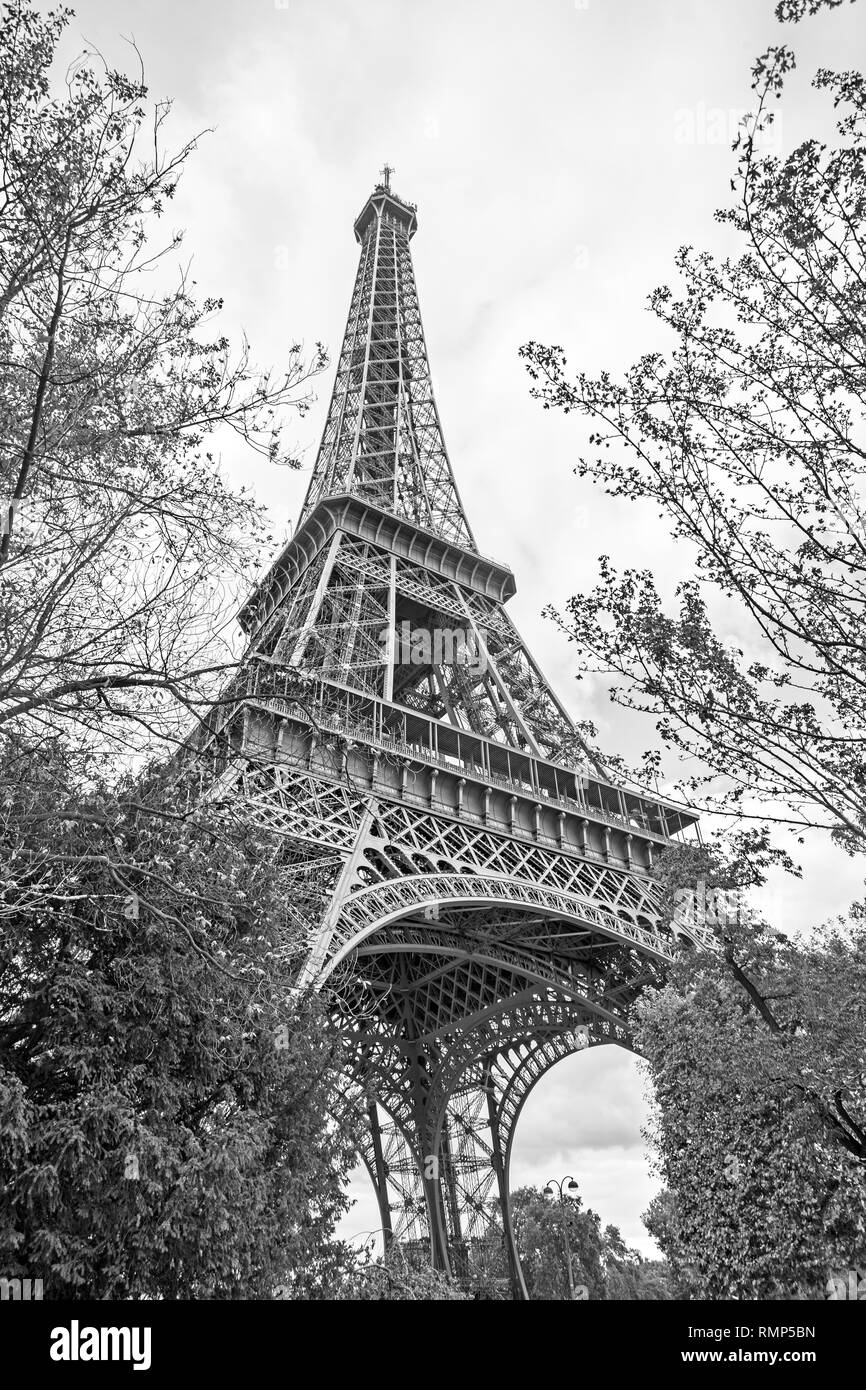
(557, 940)
(473, 1005)
(474, 893)
(479, 1098)
(350, 585)
(382, 438)
(422, 549)
(371, 909)
(470, 779)
(417, 840)
(413, 841)
(459, 989)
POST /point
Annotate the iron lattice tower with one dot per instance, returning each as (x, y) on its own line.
(480, 889)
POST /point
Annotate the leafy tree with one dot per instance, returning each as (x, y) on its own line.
(395, 1278)
(603, 1266)
(748, 437)
(163, 1092)
(122, 547)
(164, 1097)
(628, 1276)
(661, 1220)
(540, 1239)
(758, 1076)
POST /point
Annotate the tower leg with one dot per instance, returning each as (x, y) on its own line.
(515, 1274)
(381, 1177)
(450, 1199)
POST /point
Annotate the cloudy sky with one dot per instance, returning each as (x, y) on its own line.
(559, 153)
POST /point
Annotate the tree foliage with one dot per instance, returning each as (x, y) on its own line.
(748, 437)
(163, 1091)
(122, 546)
(757, 1055)
(164, 1097)
(603, 1266)
(395, 1278)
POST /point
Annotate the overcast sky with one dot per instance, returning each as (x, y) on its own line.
(559, 153)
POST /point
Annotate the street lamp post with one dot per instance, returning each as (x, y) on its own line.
(570, 1186)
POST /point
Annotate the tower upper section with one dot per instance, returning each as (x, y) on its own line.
(382, 203)
(383, 440)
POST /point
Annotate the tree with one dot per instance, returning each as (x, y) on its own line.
(749, 438)
(163, 1091)
(394, 1278)
(661, 1221)
(628, 1276)
(603, 1266)
(538, 1233)
(122, 547)
(759, 1099)
(164, 1095)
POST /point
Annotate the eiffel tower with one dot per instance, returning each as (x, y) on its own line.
(479, 887)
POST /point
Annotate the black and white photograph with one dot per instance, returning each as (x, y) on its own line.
(432, 675)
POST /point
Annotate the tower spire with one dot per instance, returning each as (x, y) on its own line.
(400, 550)
(383, 438)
